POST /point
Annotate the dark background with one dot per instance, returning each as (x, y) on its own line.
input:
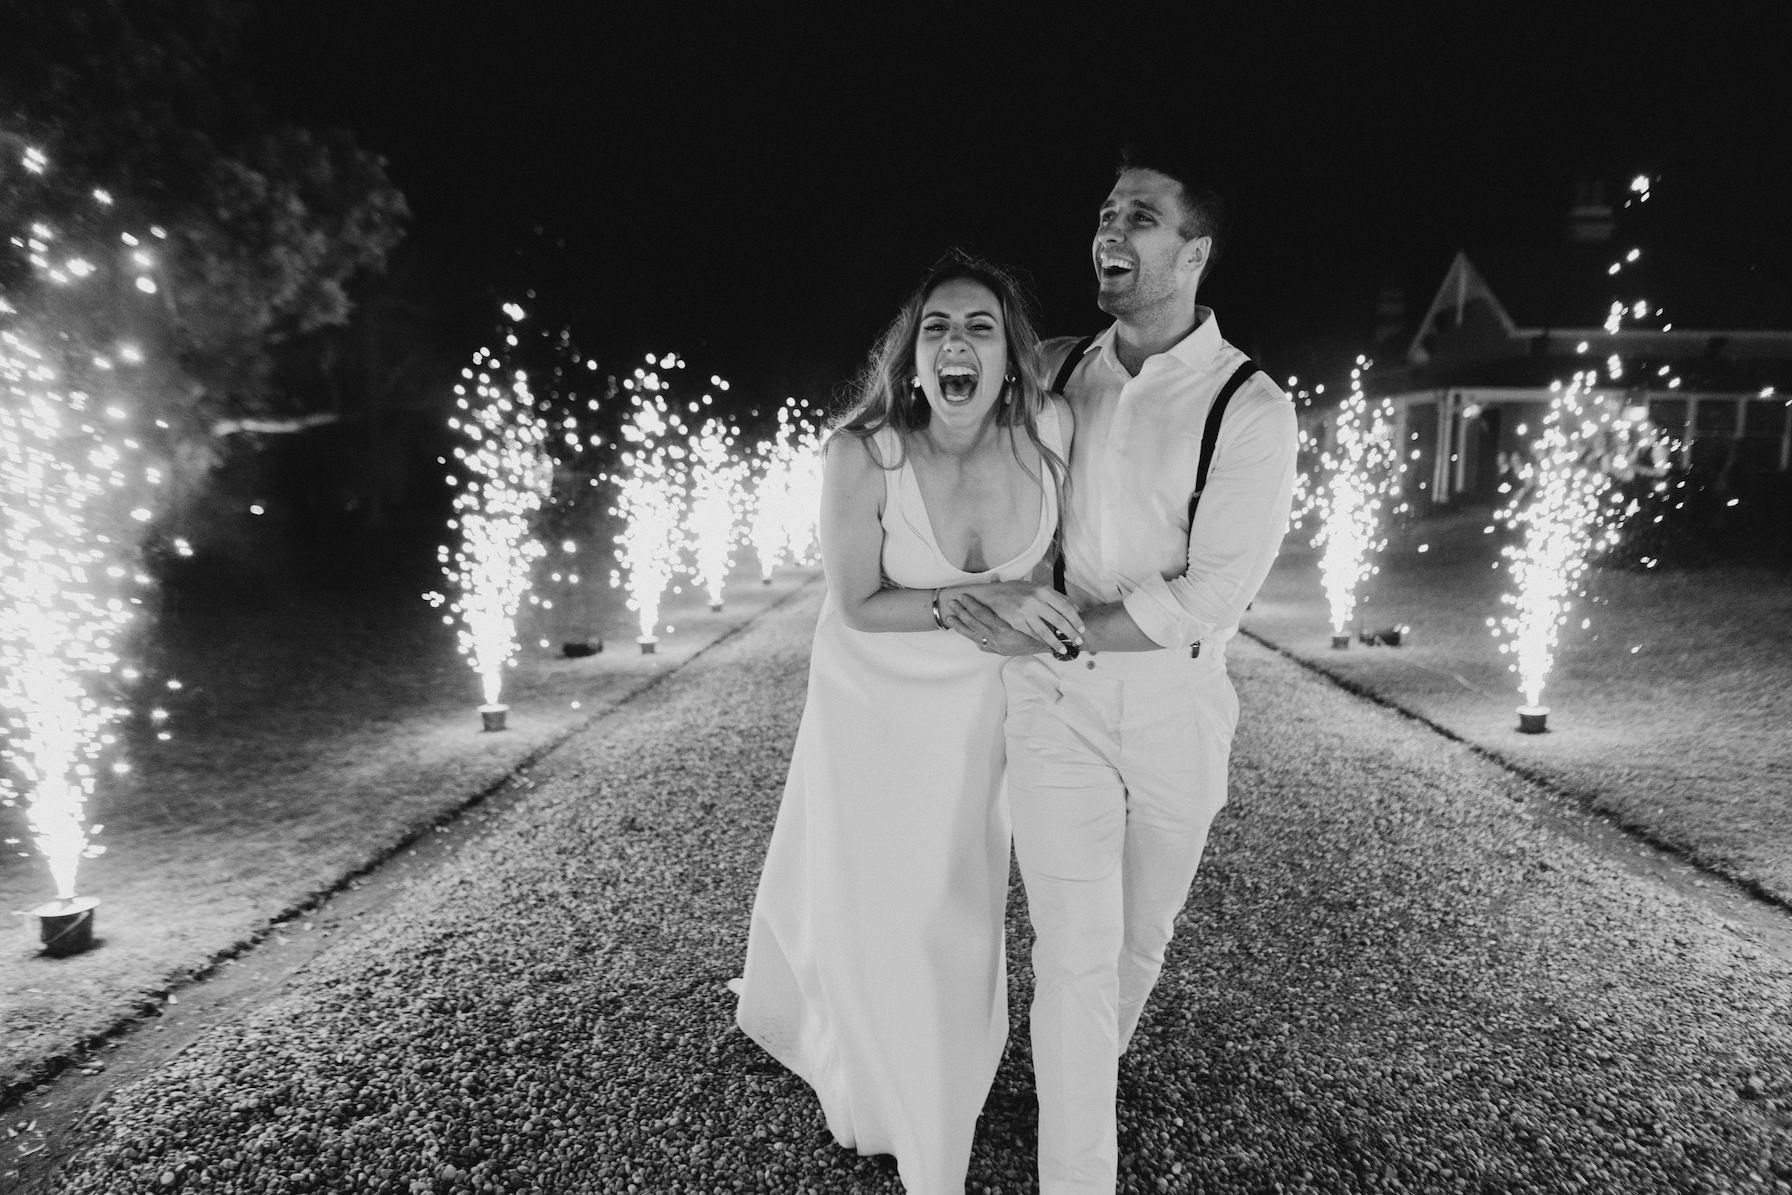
(757, 191)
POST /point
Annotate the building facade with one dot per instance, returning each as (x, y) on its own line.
(1704, 357)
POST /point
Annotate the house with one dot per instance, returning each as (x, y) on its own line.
(1708, 365)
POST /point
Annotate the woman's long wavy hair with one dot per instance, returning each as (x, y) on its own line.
(883, 394)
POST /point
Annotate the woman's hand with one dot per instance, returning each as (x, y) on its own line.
(1037, 611)
(975, 622)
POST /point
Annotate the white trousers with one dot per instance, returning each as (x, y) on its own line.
(1115, 773)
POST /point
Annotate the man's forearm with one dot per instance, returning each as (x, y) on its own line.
(1110, 628)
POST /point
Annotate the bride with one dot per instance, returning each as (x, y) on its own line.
(875, 965)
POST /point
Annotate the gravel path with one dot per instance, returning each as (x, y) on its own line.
(1394, 975)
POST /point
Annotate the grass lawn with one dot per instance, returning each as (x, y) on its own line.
(315, 732)
(1670, 710)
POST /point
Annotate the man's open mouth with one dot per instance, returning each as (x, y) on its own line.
(1113, 267)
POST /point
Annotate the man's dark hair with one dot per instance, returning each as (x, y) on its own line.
(1204, 212)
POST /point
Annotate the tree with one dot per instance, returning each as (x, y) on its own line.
(266, 225)
(268, 257)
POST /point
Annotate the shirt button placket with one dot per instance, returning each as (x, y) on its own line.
(1114, 466)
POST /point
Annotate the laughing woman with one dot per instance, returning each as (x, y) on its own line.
(875, 964)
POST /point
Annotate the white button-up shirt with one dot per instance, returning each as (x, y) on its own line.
(1132, 471)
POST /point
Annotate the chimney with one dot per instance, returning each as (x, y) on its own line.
(1590, 219)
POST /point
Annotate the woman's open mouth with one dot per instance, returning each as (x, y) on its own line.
(958, 383)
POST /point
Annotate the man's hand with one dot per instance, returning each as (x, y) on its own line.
(979, 624)
(1037, 611)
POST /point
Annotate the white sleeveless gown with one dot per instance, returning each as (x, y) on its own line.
(875, 964)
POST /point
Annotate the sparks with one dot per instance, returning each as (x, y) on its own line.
(1564, 513)
(504, 476)
(74, 496)
(787, 499)
(1361, 476)
(1571, 505)
(1307, 492)
(650, 496)
(717, 498)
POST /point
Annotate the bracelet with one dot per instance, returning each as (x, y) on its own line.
(937, 620)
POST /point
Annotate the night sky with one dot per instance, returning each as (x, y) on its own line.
(757, 193)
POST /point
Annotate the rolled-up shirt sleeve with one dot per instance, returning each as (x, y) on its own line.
(1238, 525)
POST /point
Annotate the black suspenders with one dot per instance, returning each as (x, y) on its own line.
(1070, 363)
(1210, 435)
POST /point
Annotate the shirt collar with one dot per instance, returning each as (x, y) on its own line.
(1194, 351)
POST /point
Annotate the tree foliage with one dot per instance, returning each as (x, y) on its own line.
(267, 225)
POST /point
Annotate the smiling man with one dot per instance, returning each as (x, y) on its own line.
(1117, 760)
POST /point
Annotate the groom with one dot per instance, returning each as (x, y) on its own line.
(1117, 758)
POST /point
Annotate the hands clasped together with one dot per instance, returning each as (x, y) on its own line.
(1014, 618)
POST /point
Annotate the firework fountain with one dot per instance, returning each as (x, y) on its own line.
(1361, 476)
(802, 535)
(505, 475)
(571, 396)
(75, 495)
(717, 496)
(650, 495)
(1566, 512)
(1564, 517)
(770, 499)
(787, 500)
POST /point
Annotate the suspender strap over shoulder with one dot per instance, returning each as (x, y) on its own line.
(1210, 435)
(1071, 361)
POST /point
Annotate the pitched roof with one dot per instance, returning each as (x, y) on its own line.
(1573, 287)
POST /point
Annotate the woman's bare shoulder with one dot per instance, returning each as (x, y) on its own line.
(855, 458)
